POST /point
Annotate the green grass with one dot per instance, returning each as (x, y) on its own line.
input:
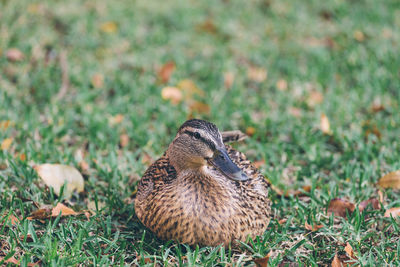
(313, 45)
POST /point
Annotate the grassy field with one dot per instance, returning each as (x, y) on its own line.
(75, 76)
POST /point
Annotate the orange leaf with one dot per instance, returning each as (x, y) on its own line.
(97, 80)
(349, 250)
(257, 74)
(124, 140)
(313, 228)
(281, 85)
(173, 94)
(22, 157)
(340, 207)
(65, 211)
(40, 214)
(259, 163)
(4, 124)
(336, 262)
(394, 212)
(325, 125)
(5, 145)
(229, 78)
(166, 71)
(262, 262)
(359, 35)
(14, 54)
(13, 220)
(390, 180)
(282, 221)
(10, 260)
(250, 131)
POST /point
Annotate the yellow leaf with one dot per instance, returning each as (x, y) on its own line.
(390, 180)
(189, 89)
(257, 74)
(359, 35)
(325, 125)
(173, 94)
(6, 143)
(4, 124)
(65, 211)
(109, 27)
(97, 80)
(55, 175)
(250, 131)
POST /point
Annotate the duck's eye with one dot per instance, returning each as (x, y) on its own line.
(196, 135)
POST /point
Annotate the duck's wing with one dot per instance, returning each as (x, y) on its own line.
(233, 136)
(159, 173)
(249, 169)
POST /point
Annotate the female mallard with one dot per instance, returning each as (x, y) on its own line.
(203, 192)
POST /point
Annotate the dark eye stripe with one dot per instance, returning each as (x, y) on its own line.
(209, 143)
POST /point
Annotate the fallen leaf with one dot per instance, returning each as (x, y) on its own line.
(5, 145)
(117, 119)
(325, 125)
(349, 250)
(259, 163)
(250, 131)
(147, 159)
(373, 201)
(124, 140)
(390, 180)
(229, 78)
(189, 89)
(13, 220)
(291, 192)
(381, 198)
(64, 210)
(14, 54)
(10, 260)
(392, 212)
(281, 85)
(109, 27)
(336, 262)
(97, 80)
(262, 262)
(22, 157)
(4, 124)
(315, 98)
(282, 221)
(312, 228)
(40, 214)
(173, 94)
(340, 207)
(3, 166)
(377, 105)
(83, 165)
(208, 26)
(295, 112)
(257, 74)
(166, 71)
(199, 107)
(359, 35)
(55, 175)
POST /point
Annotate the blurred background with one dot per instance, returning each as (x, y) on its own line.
(104, 85)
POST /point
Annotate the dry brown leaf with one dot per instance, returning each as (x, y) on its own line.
(199, 107)
(282, 221)
(164, 74)
(359, 35)
(10, 260)
(13, 220)
(97, 80)
(336, 262)
(315, 98)
(229, 78)
(208, 26)
(124, 140)
(349, 250)
(5, 124)
(394, 212)
(312, 228)
(262, 262)
(295, 112)
(147, 159)
(259, 163)
(381, 198)
(257, 74)
(5, 145)
(377, 105)
(281, 85)
(40, 214)
(55, 175)
(22, 156)
(14, 54)
(173, 94)
(64, 210)
(390, 180)
(373, 201)
(109, 27)
(325, 125)
(250, 131)
(340, 207)
(291, 192)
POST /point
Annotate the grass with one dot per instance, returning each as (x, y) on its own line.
(346, 51)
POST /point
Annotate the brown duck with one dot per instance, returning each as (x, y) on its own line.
(202, 191)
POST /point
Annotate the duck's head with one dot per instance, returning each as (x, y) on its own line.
(198, 144)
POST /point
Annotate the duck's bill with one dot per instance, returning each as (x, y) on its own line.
(223, 163)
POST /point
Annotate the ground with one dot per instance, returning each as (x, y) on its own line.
(82, 83)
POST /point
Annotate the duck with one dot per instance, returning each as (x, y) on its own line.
(202, 191)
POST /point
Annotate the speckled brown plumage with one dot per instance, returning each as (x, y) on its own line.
(203, 207)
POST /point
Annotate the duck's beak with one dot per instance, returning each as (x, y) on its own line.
(223, 162)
